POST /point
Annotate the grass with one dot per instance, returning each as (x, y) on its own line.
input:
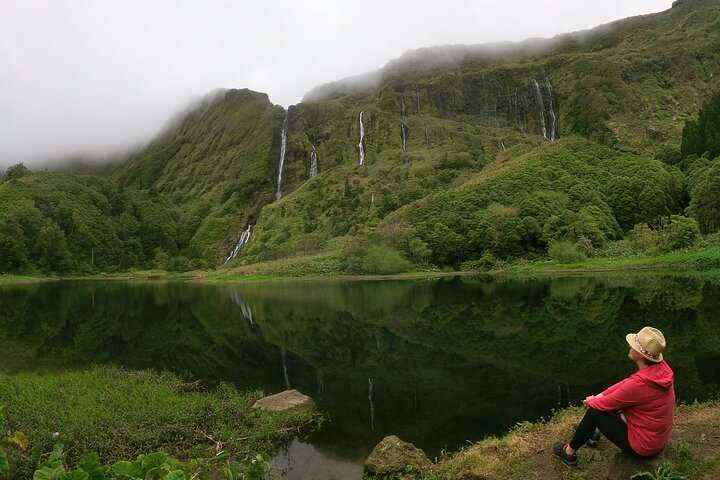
(528, 448)
(685, 260)
(120, 414)
(16, 279)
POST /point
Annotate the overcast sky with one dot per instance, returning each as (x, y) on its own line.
(96, 76)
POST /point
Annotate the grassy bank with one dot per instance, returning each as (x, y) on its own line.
(328, 266)
(18, 279)
(120, 414)
(526, 452)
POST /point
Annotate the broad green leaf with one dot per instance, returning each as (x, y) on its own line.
(90, 464)
(175, 475)
(19, 439)
(76, 475)
(56, 453)
(153, 460)
(4, 467)
(47, 473)
(156, 473)
(125, 469)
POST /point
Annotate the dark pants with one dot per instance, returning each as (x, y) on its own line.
(610, 425)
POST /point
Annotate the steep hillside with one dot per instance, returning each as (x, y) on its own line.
(216, 165)
(438, 118)
(455, 153)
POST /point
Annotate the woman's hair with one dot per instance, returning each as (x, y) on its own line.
(648, 363)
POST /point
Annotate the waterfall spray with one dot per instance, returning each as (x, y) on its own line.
(553, 118)
(541, 107)
(244, 238)
(283, 146)
(313, 162)
(417, 97)
(361, 145)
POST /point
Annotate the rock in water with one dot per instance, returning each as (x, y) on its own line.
(392, 455)
(287, 400)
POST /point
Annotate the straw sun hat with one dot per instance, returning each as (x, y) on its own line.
(648, 342)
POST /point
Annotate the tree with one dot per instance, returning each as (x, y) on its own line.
(13, 251)
(703, 136)
(705, 200)
(16, 171)
(54, 256)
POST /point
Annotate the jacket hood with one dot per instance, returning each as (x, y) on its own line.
(659, 375)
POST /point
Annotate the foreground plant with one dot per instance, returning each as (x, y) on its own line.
(155, 465)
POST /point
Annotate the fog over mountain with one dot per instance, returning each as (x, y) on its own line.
(86, 78)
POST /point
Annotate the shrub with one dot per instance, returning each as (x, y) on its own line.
(382, 260)
(565, 252)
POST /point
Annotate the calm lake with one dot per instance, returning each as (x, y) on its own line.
(437, 362)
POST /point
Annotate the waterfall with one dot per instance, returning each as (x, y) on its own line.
(313, 162)
(244, 238)
(283, 146)
(402, 107)
(553, 118)
(403, 133)
(372, 407)
(244, 308)
(361, 145)
(541, 106)
(284, 365)
(417, 97)
(372, 199)
(427, 137)
(503, 145)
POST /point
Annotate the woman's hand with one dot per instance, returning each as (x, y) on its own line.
(589, 397)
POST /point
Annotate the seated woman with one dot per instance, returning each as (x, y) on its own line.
(636, 414)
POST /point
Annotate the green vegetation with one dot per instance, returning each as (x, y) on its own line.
(119, 415)
(460, 168)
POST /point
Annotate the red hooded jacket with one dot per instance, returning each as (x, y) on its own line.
(647, 399)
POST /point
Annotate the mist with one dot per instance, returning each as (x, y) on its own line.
(88, 79)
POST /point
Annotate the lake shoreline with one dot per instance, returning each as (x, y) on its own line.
(696, 263)
(692, 451)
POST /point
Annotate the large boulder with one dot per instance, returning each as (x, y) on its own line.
(392, 456)
(284, 401)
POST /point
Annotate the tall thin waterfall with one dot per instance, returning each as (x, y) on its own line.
(372, 406)
(361, 145)
(553, 118)
(283, 146)
(285, 372)
(244, 238)
(313, 162)
(403, 133)
(541, 107)
(417, 97)
(402, 107)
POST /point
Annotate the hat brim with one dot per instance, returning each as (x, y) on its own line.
(630, 339)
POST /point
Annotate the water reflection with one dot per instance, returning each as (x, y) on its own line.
(437, 362)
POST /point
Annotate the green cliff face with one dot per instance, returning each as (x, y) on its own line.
(495, 149)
